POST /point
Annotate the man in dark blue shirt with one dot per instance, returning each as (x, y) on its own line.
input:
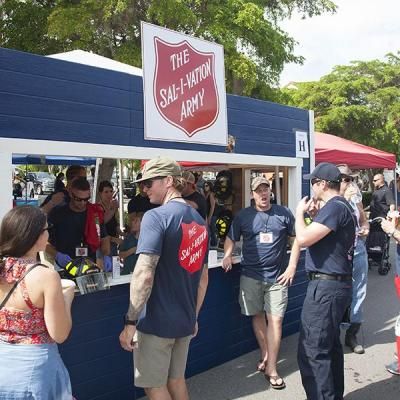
(330, 243)
(264, 277)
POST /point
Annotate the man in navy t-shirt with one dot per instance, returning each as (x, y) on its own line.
(264, 277)
(330, 241)
(171, 278)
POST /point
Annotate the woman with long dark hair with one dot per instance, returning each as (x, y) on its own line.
(35, 312)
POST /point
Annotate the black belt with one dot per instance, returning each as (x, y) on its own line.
(328, 277)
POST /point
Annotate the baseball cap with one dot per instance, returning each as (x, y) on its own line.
(160, 166)
(325, 171)
(188, 177)
(257, 181)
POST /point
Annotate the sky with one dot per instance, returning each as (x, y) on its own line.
(359, 30)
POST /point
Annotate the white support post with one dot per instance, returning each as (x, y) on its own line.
(120, 195)
(277, 186)
(6, 177)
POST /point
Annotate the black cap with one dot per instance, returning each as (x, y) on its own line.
(325, 171)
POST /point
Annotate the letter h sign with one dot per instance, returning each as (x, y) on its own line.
(301, 144)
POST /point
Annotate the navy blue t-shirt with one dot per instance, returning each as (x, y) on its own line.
(178, 234)
(333, 253)
(263, 259)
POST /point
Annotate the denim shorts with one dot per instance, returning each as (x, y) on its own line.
(33, 372)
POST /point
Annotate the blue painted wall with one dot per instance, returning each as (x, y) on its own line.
(100, 369)
(48, 99)
(58, 100)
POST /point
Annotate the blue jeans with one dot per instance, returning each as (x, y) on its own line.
(320, 353)
(360, 279)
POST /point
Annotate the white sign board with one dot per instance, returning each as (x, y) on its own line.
(302, 144)
(184, 88)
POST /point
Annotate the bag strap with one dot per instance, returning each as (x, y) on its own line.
(3, 303)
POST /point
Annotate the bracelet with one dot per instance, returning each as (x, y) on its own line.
(127, 321)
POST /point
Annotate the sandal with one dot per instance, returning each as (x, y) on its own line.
(261, 366)
(273, 381)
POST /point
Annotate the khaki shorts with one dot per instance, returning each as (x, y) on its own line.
(257, 296)
(158, 359)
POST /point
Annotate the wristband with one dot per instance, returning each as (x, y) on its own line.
(127, 321)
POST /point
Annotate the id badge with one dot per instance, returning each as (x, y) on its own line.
(81, 251)
(266, 237)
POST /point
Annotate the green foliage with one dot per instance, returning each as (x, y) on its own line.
(256, 49)
(360, 102)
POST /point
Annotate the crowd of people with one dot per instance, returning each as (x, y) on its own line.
(171, 227)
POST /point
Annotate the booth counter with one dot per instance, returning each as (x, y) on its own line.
(60, 108)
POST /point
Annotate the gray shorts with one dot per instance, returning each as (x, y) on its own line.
(158, 359)
(258, 296)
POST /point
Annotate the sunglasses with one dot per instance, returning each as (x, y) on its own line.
(148, 183)
(315, 180)
(76, 198)
(48, 227)
(375, 180)
(347, 179)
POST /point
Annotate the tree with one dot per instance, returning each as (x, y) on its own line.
(360, 102)
(256, 49)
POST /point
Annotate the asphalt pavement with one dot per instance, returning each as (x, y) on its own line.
(365, 375)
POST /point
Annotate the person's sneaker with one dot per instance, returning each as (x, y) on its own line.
(393, 368)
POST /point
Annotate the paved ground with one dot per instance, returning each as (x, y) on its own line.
(365, 375)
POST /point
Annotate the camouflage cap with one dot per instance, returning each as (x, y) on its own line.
(160, 166)
(257, 181)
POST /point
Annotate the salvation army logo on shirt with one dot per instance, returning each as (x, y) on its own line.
(193, 246)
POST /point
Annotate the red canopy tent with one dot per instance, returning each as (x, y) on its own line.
(336, 150)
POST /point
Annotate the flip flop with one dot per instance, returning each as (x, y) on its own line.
(261, 366)
(275, 385)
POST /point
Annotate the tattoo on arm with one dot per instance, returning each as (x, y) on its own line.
(141, 283)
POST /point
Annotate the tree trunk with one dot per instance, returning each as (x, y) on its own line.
(105, 172)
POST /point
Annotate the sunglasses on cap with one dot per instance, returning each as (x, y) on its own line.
(148, 183)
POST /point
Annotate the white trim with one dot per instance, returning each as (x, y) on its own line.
(21, 146)
(312, 139)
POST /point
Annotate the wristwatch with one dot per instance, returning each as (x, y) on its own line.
(128, 321)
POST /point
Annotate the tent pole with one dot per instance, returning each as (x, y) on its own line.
(120, 196)
(395, 188)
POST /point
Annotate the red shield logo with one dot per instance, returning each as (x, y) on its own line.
(185, 91)
(193, 246)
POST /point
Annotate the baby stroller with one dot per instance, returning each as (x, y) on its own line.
(378, 246)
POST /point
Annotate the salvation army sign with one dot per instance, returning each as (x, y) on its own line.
(184, 88)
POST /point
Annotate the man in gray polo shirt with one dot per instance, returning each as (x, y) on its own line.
(265, 276)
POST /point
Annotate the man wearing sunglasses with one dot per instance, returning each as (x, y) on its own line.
(62, 197)
(382, 199)
(329, 239)
(141, 202)
(67, 237)
(171, 278)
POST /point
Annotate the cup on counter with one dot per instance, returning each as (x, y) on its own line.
(212, 257)
(66, 283)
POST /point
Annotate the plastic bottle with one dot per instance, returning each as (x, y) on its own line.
(356, 197)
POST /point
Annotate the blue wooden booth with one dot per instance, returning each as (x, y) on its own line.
(54, 107)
